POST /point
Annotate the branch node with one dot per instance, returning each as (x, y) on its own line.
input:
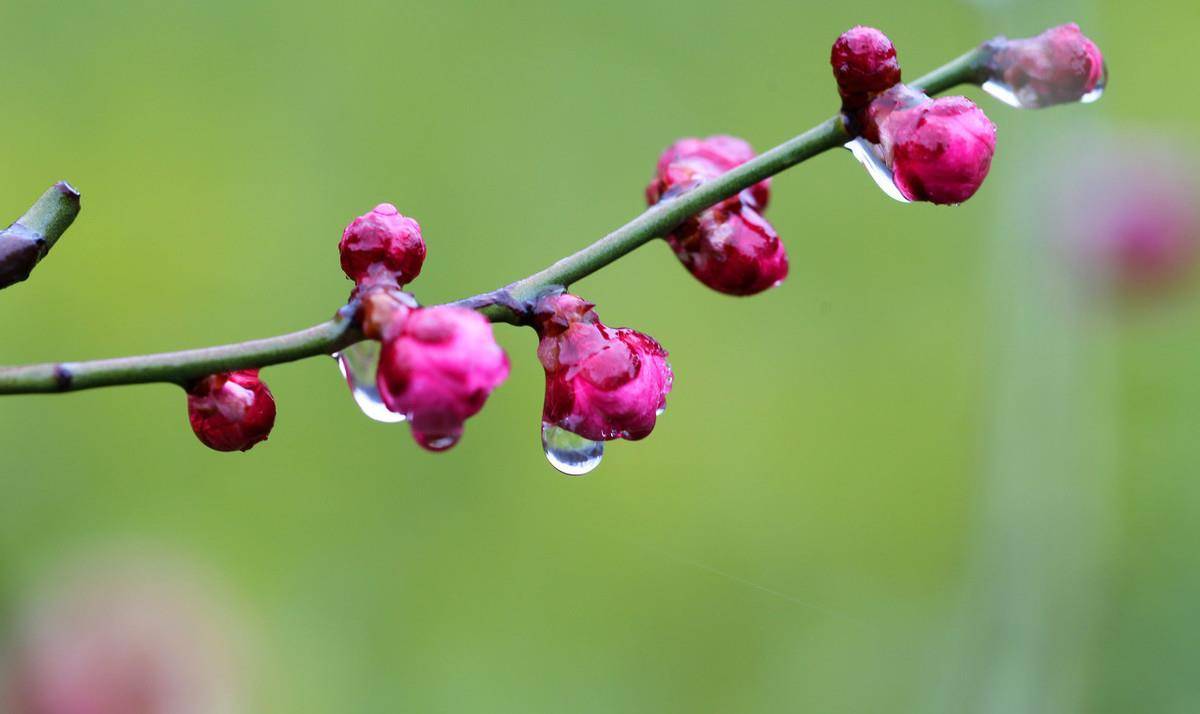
(63, 377)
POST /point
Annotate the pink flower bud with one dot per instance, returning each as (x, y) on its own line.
(437, 367)
(1127, 216)
(117, 637)
(690, 161)
(1058, 66)
(382, 246)
(733, 251)
(939, 150)
(231, 411)
(864, 64)
(602, 383)
(730, 247)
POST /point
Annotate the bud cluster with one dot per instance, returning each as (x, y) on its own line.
(730, 247)
(938, 150)
(438, 365)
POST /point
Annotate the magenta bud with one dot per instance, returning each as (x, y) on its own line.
(231, 411)
(731, 250)
(691, 161)
(864, 64)
(382, 245)
(437, 367)
(602, 383)
(730, 247)
(1129, 217)
(1060, 65)
(121, 636)
(939, 150)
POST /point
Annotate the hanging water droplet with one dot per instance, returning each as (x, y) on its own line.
(1098, 91)
(1029, 98)
(869, 157)
(358, 363)
(1003, 92)
(439, 442)
(570, 453)
(660, 411)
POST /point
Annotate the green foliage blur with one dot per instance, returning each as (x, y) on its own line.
(871, 483)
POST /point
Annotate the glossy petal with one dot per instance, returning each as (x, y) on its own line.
(231, 411)
(864, 64)
(602, 383)
(437, 367)
(382, 245)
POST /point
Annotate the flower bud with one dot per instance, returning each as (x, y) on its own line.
(864, 64)
(730, 247)
(231, 411)
(382, 246)
(939, 150)
(691, 161)
(1127, 217)
(733, 251)
(437, 367)
(122, 636)
(1060, 65)
(602, 383)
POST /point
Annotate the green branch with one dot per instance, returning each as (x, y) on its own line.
(328, 337)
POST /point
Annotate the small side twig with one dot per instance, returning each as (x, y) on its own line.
(26, 242)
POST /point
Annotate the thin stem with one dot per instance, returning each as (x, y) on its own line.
(659, 219)
(970, 68)
(180, 367)
(328, 337)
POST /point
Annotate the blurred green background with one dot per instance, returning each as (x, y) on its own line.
(901, 482)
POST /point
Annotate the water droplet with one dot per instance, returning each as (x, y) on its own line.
(1003, 92)
(439, 442)
(1099, 90)
(1028, 98)
(869, 157)
(357, 364)
(570, 453)
(660, 411)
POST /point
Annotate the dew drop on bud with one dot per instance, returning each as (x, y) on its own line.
(1003, 92)
(1098, 90)
(358, 363)
(570, 453)
(437, 442)
(868, 155)
(1028, 98)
